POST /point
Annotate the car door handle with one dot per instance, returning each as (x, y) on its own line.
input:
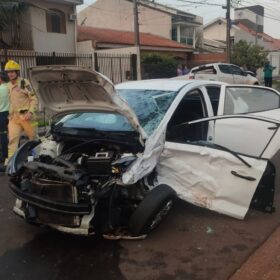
(272, 127)
(249, 178)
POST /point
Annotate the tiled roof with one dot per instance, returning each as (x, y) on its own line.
(110, 36)
(275, 43)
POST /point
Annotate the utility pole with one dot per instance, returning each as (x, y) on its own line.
(256, 38)
(228, 31)
(137, 39)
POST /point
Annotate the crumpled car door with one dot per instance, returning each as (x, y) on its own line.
(211, 178)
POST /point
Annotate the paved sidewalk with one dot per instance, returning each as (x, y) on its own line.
(264, 264)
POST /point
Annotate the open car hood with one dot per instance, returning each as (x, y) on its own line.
(69, 89)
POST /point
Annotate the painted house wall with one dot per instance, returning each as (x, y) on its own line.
(217, 31)
(44, 41)
(118, 15)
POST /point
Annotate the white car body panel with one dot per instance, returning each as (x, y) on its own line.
(202, 176)
(246, 132)
(235, 135)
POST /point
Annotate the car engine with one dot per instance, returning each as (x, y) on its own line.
(84, 173)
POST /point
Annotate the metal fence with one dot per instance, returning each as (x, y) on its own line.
(29, 59)
(117, 67)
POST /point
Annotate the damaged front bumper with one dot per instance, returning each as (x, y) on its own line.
(74, 218)
(59, 207)
(83, 229)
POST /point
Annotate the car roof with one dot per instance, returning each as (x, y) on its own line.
(157, 84)
(165, 84)
(212, 64)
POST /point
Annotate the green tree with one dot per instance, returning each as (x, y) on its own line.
(249, 55)
(158, 66)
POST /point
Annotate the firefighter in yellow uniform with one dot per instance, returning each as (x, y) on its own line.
(23, 104)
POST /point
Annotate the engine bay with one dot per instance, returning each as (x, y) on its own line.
(81, 173)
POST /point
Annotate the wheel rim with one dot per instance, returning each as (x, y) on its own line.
(161, 214)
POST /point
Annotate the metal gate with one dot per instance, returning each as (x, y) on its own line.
(117, 67)
(28, 59)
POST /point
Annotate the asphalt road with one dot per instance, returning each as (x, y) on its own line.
(192, 243)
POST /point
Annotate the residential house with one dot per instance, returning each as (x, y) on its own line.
(108, 26)
(116, 44)
(46, 26)
(154, 18)
(248, 25)
(45, 34)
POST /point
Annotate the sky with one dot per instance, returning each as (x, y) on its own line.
(210, 11)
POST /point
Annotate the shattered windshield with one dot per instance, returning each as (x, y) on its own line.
(150, 106)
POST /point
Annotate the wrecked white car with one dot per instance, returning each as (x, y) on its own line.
(116, 158)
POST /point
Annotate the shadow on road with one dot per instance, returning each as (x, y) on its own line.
(51, 255)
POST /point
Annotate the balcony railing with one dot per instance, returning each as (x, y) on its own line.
(183, 40)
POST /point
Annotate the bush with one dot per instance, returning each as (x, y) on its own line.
(158, 66)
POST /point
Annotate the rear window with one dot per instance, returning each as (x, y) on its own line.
(240, 100)
(226, 69)
(205, 70)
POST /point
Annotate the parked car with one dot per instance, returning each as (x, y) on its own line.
(116, 158)
(222, 72)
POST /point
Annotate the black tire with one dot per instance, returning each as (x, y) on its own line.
(152, 209)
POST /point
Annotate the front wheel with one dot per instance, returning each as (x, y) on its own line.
(152, 210)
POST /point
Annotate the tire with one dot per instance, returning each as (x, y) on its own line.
(152, 209)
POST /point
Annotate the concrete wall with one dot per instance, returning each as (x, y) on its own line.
(217, 32)
(206, 58)
(129, 50)
(249, 15)
(118, 15)
(85, 47)
(44, 41)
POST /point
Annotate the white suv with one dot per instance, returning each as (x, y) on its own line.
(222, 72)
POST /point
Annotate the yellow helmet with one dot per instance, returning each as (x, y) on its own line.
(11, 65)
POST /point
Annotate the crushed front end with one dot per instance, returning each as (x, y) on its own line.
(74, 186)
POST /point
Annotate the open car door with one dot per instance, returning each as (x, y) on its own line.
(244, 134)
(219, 178)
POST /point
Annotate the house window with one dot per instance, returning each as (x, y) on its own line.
(174, 34)
(55, 21)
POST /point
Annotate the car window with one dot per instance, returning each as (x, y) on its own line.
(237, 71)
(205, 70)
(214, 95)
(150, 106)
(93, 120)
(226, 69)
(240, 100)
(192, 107)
